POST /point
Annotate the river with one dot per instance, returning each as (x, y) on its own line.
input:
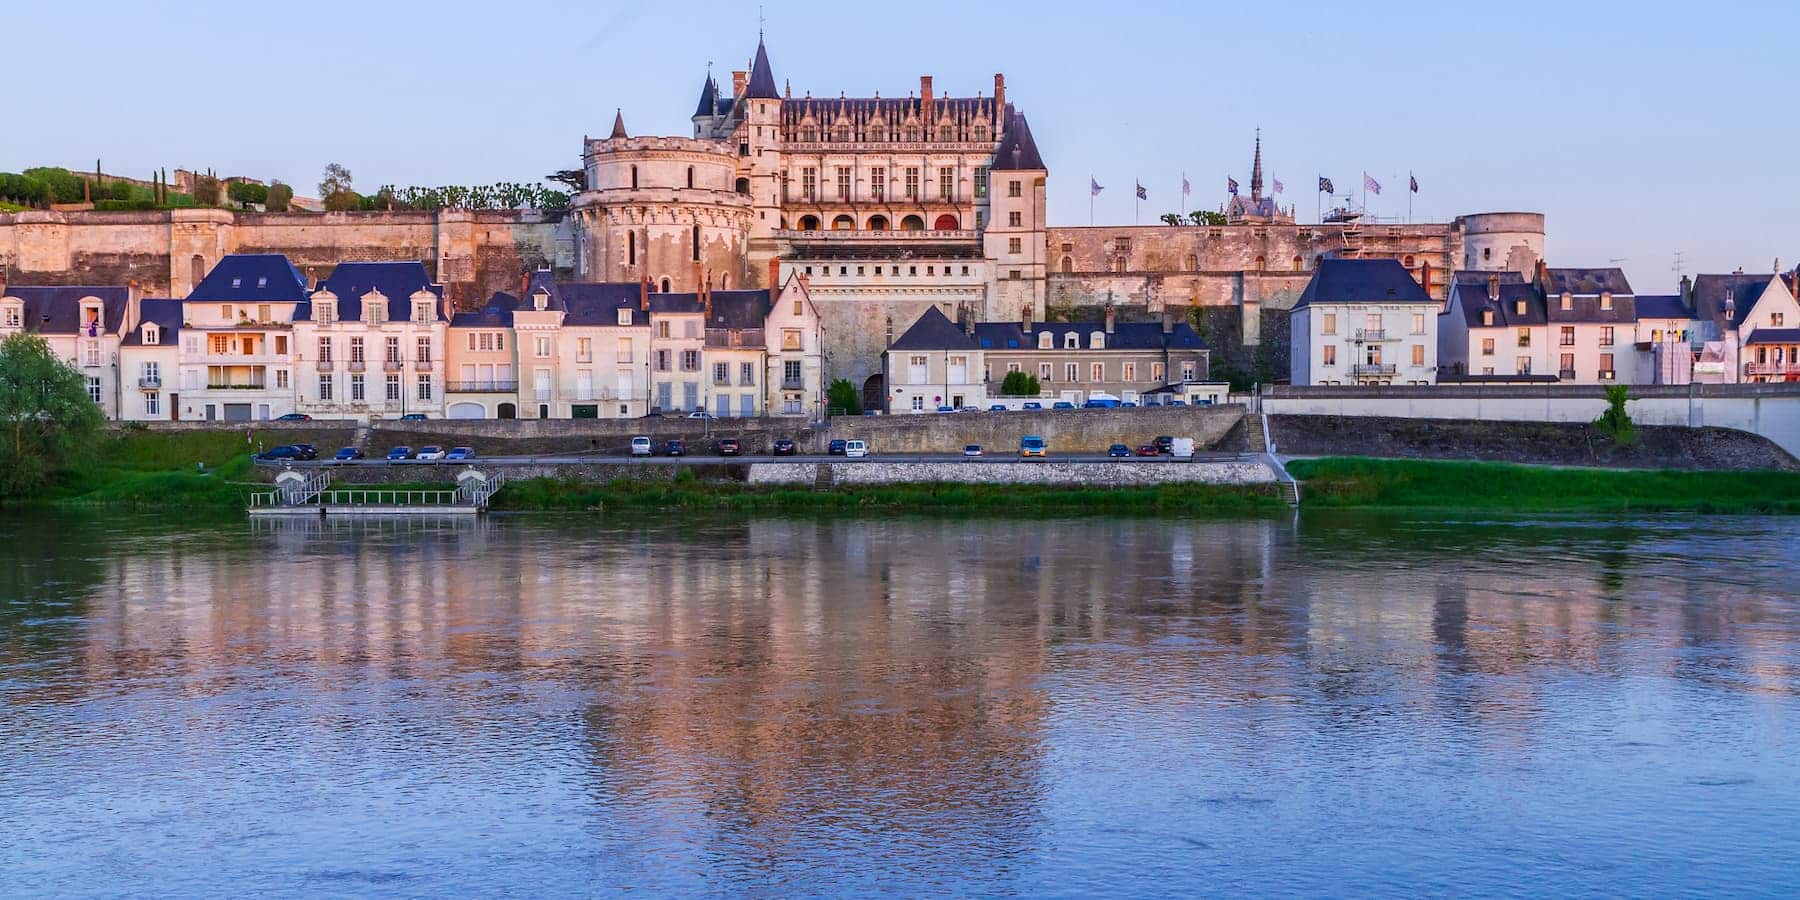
(1343, 705)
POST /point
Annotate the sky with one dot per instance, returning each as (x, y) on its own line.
(1641, 130)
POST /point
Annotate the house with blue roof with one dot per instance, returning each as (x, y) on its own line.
(83, 326)
(237, 341)
(370, 343)
(1363, 321)
(149, 363)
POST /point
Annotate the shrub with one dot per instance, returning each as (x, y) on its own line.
(279, 197)
(243, 192)
(843, 398)
(119, 190)
(1615, 422)
(1020, 384)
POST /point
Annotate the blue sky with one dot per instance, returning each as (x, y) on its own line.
(1640, 129)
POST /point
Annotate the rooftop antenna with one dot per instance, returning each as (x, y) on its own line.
(1618, 259)
(1679, 266)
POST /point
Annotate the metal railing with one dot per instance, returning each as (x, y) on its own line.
(1371, 334)
(150, 382)
(483, 387)
(1372, 369)
(393, 365)
(793, 384)
(864, 236)
(1565, 374)
(1787, 368)
(293, 495)
(389, 497)
(473, 493)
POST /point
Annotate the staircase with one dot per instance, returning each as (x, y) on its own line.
(304, 491)
(476, 493)
(823, 478)
(1256, 434)
(1290, 491)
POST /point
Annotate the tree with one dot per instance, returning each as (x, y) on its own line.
(1206, 217)
(336, 190)
(46, 416)
(1172, 219)
(842, 398)
(245, 193)
(1019, 384)
(576, 179)
(1615, 422)
(206, 189)
(280, 197)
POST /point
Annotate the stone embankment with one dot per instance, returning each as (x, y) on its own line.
(1088, 474)
(1538, 443)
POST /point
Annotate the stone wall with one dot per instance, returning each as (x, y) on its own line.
(1104, 474)
(1067, 431)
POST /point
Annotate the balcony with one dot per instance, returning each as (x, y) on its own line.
(234, 386)
(324, 365)
(864, 238)
(1364, 335)
(729, 338)
(393, 365)
(357, 365)
(150, 382)
(421, 365)
(1779, 369)
(1565, 374)
(483, 387)
(1372, 369)
(793, 384)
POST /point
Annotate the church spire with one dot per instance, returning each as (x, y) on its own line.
(1256, 169)
(618, 125)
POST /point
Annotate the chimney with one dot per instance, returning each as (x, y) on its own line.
(739, 78)
(774, 276)
(1494, 288)
(644, 293)
(2, 281)
(1027, 318)
(1543, 274)
(999, 95)
(1425, 276)
(1112, 318)
(925, 102)
(524, 283)
(1168, 320)
(1687, 290)
(134, 299)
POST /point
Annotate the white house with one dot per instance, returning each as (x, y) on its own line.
(1363, 321)
(371, 343)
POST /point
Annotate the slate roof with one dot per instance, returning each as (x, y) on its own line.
(496, 313)
(1475, 276)
(1710, 291)
(594, 303)
(1472, 299)
(252, 278)
(934, 331)
(57, 309)
(739, 310)
(166, 314)
(397, 281)
(1017, 150)
(709, 98)
(1361, 281)
(762, 78)
(1662, 306)
(1125, 336)
(1774, 336)
(1586, 281)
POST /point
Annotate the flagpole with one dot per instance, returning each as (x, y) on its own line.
(1409, 196)
(1135, 185)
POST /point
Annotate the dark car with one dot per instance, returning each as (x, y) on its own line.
(294, 417)
(283, 452)
(400, 453)
(1031, 404)
(730, 447)
(675, 448)
(1062, 404)
(460, 453)
(347, 454)
(836, 447)
(1149, 450)
(308, 451)
(1118, 450)
(413, 417)
(784, 447)
(1164, 443)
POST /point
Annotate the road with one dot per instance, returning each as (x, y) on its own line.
(704, 459)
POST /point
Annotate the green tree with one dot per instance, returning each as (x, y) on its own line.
(1019, 384)
(575, 179)
(1172, 219)
(280, 197)
(206, 189)
(121, 190)
(336, 189)
(842, 398)
(1206, 217)
(46, 416)
(1615, 422)
(246, 193)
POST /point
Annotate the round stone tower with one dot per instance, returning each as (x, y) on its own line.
(661, 208)
(1502, 241)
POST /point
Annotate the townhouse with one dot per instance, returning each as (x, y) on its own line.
(481, 370)
(794, 355)
(82, 325)
(237, 352)
(1592, 317)
(1363, 321)
(1493, 328)
(149, 360)
(371, 343)
(1750, 329)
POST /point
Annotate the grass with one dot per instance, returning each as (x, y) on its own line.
(159, 469)
(1346, 482)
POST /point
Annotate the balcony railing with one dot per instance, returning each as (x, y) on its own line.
(1565, 374)
(1786, 368)
(1372, 369)
(357, 365)
(865, 237)
(483, 387)
(793, 384)
(421, 365)
(150, 382)
(222, 386)
(324, 365)
(1371, 334)
(393, 365)
(727, 338)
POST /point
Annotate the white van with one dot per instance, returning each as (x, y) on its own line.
(856, 449)
(640, 446)
(1182, 448)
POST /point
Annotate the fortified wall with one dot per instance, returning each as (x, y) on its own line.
(168, 251)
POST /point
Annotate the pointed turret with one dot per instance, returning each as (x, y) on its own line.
(709, 98)
(1017, 151)
(618, 125)
(1256, 169)
(762, 78)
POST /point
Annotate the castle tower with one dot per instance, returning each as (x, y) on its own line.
(759, 148)
(1015, 235)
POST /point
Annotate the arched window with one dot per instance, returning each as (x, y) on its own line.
(631, 248)
(724, 281)
(1046, 341)
(1193, 263)
(1261, 264)
(809, 223)
(912, 223)
(945, 222)
(665, 285)
(696, 241)
(843, 223)
(634, 178)
(690, 177)
(1097, 340)
(1299, 264)
(878, 223)
(743, 185)
(1407, 262)
(1068, 265)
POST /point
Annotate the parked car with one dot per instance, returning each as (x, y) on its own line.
(294, 417)
(430, 454)
(347, 454)
(972, 450)
(641, 446)
(1148, 450)
(945, 409)
(1031, 404)
(700, 414)
(1118, 450)
(1163, 442)
(996, 407)
(284, 452)
(1128, 405)
(1177, 402)
(837, 447)
(413, 417)
(460, 453)
(308, 451)
(783, 447)
(400, 453)
(1033, 446)
(730, 447)
(1062, 404)
(856, 449)
(1182, 448)
(675, 448)
(1101, 403)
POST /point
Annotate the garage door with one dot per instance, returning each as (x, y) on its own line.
(237, 412)
(467, 411)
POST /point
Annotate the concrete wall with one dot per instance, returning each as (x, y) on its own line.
(1068, 431)
(1772, 410)
(1049, 472)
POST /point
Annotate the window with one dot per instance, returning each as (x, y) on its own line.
(1043, 371)
(1330, 358)
(393, 349)
(13, 319)
(946, 183)
(662, 360)
(584, 350)
(1071, 341)
(1568, 302)
(981, 179)
(281, 378)
(1188, 369)
(1156, 371)
(623, 353)
(356, 349)
(1606, 337)
(542, 346)
(1522, 365)
(1606, 366)
(1128, 371)
(918, 403)
(422, 350)
(93, 388)
(843, 182)
(324, 387)
(281, 345)
(1071, 372)
(690, 328)
(694, 242)
(1372, 323)
(1328, 323)
(1015, 219)
(1518, 307)
(1418, 355)
(721, 373)
(912, 183)
(790, 373)
(356, 387)
(1046, 341)
(747, 373)
(1524, 337)
(1487, 346)
(393, 387)
(1567, 366)
(225, 313)
(1014, 188)
(1774, 320)
(1015, 245)
(878, 183)
(152, 403)
(424, 387)
(1606, 300)
(1097, 372)
(662, 329)
(809, 183)
(1487, 317)
(1418, 323)
(690, 360)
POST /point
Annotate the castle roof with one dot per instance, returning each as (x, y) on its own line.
(709, 98)
(762, 78)
(1017, 150)
(618, 129)
(1361, 281)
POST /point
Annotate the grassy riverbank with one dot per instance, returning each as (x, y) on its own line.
(1354, 482)
(180, 470)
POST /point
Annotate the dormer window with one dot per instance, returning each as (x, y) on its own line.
(262, 281)
(13, 315)
(1487, 317)
(1097, 340)
(1046, 341)
(237, 282)
(152, 335)
(424, 304)
(1568, 302)
(1071, 341)
(1606, 300)
(624, 316)
(1519, 307)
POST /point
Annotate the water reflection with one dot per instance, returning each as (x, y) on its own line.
(1345, 704)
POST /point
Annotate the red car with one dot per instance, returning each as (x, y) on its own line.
(1148, 450)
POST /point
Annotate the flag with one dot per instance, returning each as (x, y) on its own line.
(1279, 187)
(1094, 187)
(1186, 188)
(1370, 184)
(1325, 186)
(1141, 194)
(1415, 182)
(1231, 185)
